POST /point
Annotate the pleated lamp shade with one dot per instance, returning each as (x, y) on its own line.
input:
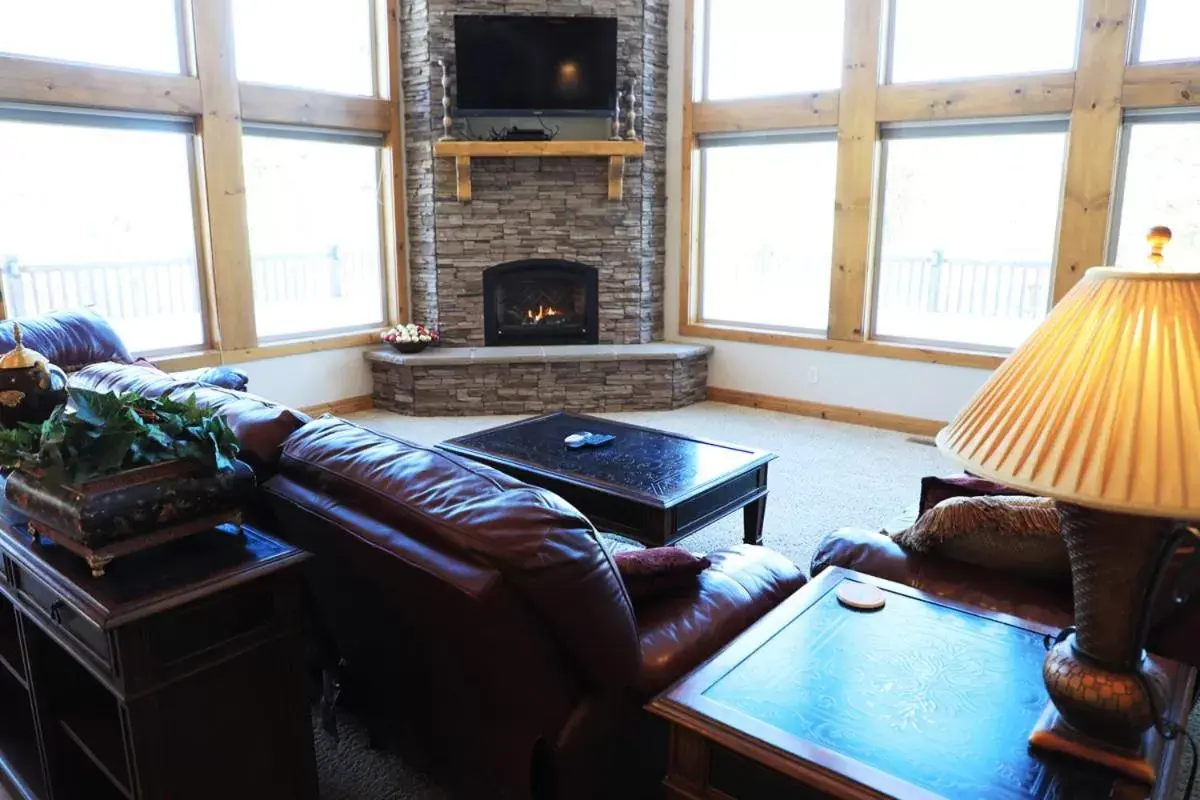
(1101, 405)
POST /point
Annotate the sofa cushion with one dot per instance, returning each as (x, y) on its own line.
(70, 339)
(1016, 533)
(260, 425)
(221, 377)
(657, 571)
(542, 546)
(148, 381)
(934, 489)
(743, 583)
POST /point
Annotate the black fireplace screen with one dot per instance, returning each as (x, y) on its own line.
(540, 302)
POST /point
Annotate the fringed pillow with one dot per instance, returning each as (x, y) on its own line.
(1020, 534)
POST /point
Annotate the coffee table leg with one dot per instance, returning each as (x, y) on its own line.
(752, 520)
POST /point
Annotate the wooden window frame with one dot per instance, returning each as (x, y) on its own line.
(1095, 97)
(209, 93)
(703, 148)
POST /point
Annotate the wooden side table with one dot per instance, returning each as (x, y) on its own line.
(177, 675)
(921, 700)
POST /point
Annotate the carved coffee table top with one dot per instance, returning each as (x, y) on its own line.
(645, 464)
(922, 699)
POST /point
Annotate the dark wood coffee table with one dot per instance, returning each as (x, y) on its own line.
(651, 485)
(923, 699)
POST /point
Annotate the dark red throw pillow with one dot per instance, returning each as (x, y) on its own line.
(934, 489)
(656, 571)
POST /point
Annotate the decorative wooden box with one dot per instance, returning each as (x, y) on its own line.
(119, 514)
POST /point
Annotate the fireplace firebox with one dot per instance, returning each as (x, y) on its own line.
(540, 302)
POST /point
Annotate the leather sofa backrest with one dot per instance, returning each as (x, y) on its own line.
(446, 636)
(121, 378)
(544, 548)
(260, 425)
(69, 339)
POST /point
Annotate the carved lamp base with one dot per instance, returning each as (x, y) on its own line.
(1052, 733)
(1104, 692)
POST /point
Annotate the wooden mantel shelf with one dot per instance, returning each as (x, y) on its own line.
(615, 151)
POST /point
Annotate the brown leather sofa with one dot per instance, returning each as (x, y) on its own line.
(478, 611)
(1175, 633)
(489, 610)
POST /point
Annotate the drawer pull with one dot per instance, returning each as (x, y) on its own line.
(56, 609)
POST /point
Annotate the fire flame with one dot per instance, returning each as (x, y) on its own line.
(542, 313)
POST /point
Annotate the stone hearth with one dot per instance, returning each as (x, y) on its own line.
(467, 381)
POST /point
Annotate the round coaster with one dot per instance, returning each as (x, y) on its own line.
(860, 596)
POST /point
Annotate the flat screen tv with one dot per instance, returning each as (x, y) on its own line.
(528, 65)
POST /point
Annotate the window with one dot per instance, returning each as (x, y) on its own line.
(315, 237)
(136, 34)
(1168, 30)
(758, 48)
(310, 44)
(967, 238)
(936, 40)
(101, 217)
(767, 231)
(1160, 183)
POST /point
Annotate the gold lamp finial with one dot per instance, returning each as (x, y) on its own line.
(1158, 237)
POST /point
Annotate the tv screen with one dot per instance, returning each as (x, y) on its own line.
(513, 65)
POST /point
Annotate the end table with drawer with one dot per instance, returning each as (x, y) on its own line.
(179, 674)
(924, 699)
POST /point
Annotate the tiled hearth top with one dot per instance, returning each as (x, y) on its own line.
(457, 356)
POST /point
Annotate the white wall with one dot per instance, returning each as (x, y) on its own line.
(311, 379)
(915, 389)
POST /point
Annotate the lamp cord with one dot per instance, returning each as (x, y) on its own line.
(1170, 730)
(1167, 729)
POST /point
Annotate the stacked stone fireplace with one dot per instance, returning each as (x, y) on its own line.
(536, 214)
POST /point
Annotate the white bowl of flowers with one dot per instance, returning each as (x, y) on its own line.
(410, 338)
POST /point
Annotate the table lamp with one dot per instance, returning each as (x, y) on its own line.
(1100, 409)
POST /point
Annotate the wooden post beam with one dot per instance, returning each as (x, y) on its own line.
(689, 178)
(395, 222)
(858, 134)
(221, 136)
(1092, 146)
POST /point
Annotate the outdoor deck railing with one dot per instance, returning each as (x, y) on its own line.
(159, 289)
(965, 287)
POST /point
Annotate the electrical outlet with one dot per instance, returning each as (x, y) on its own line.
(813, 375)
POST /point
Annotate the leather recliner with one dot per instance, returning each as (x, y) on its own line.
(1174, 622)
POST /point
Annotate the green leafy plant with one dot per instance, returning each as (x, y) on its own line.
(100, 434)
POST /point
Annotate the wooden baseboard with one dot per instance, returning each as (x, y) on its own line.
(805, 408)
(340, 407)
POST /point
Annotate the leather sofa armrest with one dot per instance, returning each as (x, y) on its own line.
(876, 554)
(864, 551)
(678, 633)
(221, 377)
